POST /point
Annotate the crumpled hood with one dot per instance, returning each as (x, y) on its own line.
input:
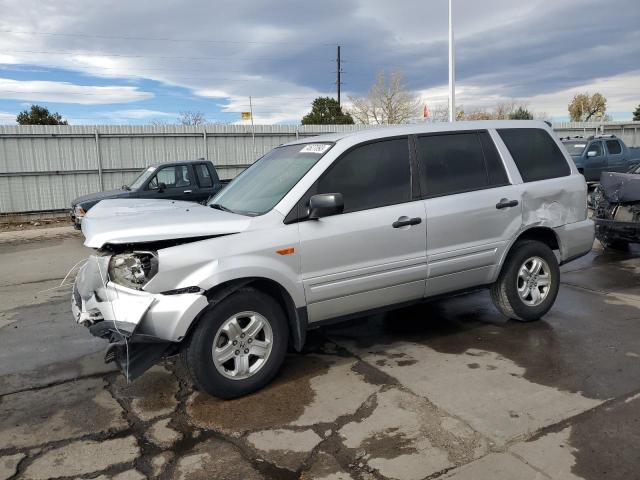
(139, 220)
(93, 198)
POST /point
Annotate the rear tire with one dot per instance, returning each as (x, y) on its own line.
(238, 345)
(529, 281)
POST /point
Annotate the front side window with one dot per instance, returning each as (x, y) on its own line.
(597, 148)
(535, 153)
(260, 187)
(370, 176)
(173, 177)
(614, 147)
(455, 163)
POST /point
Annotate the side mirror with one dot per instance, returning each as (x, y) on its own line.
(591, 153)
(325, 205)
(162, 187)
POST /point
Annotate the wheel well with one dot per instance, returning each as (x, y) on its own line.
(296, 318)
(541, 234)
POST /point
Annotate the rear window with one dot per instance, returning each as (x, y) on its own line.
(535, 153)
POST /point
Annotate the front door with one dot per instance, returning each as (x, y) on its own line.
(374, 253)
(595, 162)
(472, 209)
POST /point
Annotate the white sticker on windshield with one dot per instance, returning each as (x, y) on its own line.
(580, 145)
(315, 148)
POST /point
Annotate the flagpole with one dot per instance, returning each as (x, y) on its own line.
(452, 68)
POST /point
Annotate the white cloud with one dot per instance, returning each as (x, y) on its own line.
(138, 114)
(65, 92)
(7, 118)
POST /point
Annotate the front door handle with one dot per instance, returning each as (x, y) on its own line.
(186, 192)
(506, 203)
(404, 222)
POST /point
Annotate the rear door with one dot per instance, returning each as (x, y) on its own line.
(472, 208)
(206, 182)
(617, 162)
(363, 258)
(173, 182)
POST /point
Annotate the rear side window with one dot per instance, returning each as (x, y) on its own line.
(371, 176)
(204, 177)
(535, 153)
(460, 162)
(614, 147)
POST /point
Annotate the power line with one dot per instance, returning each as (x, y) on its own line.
(164, 39)
(162, 57)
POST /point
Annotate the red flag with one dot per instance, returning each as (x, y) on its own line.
(425, 112)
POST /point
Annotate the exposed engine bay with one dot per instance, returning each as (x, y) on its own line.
(616, 209)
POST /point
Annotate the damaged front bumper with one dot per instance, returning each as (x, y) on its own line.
(609, 231)
(141, 327)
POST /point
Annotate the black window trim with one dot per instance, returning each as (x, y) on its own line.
(295, 216)
(477, 132)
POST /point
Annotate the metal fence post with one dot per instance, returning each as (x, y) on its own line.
(99, 159)
(204, 139)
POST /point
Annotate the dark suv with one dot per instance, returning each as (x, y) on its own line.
(193, 181)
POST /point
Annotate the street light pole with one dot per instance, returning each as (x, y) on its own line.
(452, 68)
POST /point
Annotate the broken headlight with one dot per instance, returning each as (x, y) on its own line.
(133, 269)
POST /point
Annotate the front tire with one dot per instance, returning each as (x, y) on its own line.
(238, 345)
(529, 282)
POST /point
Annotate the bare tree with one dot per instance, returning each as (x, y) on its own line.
(388, 102)
(191, 118)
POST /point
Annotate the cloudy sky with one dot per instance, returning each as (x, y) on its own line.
(140, 61)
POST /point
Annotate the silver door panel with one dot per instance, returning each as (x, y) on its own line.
(365, 301)
(446, 263)
(364, 279)
(459, 281)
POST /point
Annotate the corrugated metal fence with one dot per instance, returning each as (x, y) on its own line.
(42, 168)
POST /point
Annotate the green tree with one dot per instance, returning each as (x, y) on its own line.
(521, 114)
(38, 115)
(636, 114)
(326, 111)
(585, 107)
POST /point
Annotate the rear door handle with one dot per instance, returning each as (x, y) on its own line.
(506, 203)
(404, 222)
(187, 191)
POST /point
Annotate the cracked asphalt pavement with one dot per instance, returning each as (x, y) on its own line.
(448, 389)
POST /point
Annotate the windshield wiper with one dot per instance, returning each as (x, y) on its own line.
(217, 206)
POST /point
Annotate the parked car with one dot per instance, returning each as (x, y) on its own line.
(330, 228)
(600, 153)
(193, 181)
(616, 205)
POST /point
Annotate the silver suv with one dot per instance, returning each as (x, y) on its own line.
(331, 227)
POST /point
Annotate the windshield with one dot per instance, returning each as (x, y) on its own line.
(259, 188)
(143, 177)
(575, 148)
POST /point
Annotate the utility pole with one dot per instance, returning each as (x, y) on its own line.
(452, 68)
(338, 82)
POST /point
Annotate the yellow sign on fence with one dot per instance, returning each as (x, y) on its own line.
(246, 115)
